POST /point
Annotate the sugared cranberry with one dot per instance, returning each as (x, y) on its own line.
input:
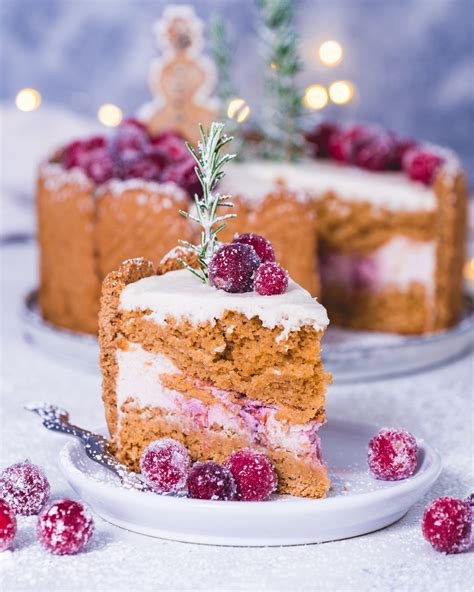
(64, 527)
(145, 167)
(128, 145)
(343, 143)
(270, 279)
(183, 174)
(447, 525)
(320, 137)
(24, 487)
(170, 145)
(374, 153)
(210, 481)
(165, 463)
(470, 500)
(392, 454)
(77, 153)
(263, 247)
(99, 166)
(421, 165)
(7, 525)
(233, 266)
(253, 473)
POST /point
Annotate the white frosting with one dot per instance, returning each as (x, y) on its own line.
(139, 379)
(388, 190)
(180, 295)
(399, 263)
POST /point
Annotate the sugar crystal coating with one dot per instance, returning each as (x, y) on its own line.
(165, 463)
(232, 268)
(263, 247)
(270, 279)
(447, 525)
(25, 488)
(392, 454)
(254, 474)
(7, 526)
(210, 481)
(64, 527)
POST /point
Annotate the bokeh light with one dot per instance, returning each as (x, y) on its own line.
(341, 92)
(315, 97)
(110, 115)
(238, 109)
(331, 53)
(28, 99)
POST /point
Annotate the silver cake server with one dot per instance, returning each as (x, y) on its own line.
(96, 446)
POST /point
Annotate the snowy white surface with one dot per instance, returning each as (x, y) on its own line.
(437, 406)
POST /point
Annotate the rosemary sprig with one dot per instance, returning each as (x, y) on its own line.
(209, 165)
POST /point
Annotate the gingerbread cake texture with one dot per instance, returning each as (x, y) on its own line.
(214, 370)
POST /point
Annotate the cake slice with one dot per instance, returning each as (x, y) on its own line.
(215, 370)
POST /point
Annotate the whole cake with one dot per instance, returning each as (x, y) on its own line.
(374, 224)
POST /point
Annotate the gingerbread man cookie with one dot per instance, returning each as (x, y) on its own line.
(181, 79)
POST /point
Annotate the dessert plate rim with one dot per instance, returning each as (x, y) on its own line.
(377, 508)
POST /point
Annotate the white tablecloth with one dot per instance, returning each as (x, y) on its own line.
(437, 406)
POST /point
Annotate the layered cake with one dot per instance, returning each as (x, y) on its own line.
(372, 224)
(217, 371)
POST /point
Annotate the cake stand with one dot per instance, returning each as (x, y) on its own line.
(351, 356)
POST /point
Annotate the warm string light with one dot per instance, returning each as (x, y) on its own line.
(28, 99)
(238, 109)
(110, 115)
(341, 92)
(331, 53)
(315, 97)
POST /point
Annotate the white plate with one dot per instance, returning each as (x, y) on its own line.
(357, 505)
(350, 355)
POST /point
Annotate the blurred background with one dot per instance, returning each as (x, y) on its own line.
(406, 64)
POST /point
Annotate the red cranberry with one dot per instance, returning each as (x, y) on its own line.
(253, 473)
(208, 480)
(183, 174)
(7, 525)
(320, 137)
(165, 463)
(25, 488)
(128, 144)
(99, 166)
(270, 279)
(392, 455)
(233, 266)
(421, 165)
(263, 247)
(343, 142)
(170, 145)
(447, 525)
(375, 153)
(470, 500)
(76, 154)
(146, 167)
(64, 527)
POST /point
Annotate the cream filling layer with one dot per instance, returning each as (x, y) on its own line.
(139, 385)
(398, 263)
(180, 295)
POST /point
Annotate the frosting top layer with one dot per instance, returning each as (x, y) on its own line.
(389, 190)
(180, 295)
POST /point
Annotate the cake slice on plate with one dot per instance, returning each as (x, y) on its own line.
(221, 355)
(217, 371)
